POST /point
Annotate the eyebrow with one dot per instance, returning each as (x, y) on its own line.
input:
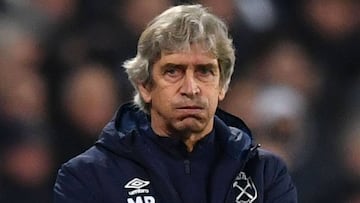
(173, 65)
(208, 65)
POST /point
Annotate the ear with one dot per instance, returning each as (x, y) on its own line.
(222, 94)
(145, 92)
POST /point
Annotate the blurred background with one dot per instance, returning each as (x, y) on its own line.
(296, 84)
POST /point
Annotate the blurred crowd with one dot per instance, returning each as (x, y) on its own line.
(296, 84)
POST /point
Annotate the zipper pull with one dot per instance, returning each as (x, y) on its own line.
(187, 166)
(255, 147)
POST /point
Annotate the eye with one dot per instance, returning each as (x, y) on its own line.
(205, 71)
(173, 71)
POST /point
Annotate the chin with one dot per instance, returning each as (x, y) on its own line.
(190, 126)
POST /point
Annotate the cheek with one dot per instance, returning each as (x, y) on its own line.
(161, 97)
(213, 95)
(214, 90)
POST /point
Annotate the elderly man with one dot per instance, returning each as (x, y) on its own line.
(173, 144)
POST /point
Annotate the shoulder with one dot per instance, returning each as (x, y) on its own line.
(85, 167)
(81, 168)
(90, 158)
(75, 179)
(271, 172)
(269, 158)
(269, 163)
(80, 178)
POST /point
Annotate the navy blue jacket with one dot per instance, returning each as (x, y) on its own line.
(122, 167)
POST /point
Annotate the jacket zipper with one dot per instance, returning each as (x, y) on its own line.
(187, 166)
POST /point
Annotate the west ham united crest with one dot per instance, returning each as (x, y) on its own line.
(245, 189)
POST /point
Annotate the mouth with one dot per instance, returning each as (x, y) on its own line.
(190, 111)
(190, 108)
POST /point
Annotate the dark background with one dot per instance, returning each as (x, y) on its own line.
(296, 84)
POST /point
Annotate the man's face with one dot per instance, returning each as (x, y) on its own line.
(184, 94)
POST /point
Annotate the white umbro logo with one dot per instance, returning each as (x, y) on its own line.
(137, 184)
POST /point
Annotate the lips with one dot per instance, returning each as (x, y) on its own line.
(194, 106)
(190, 107)
(190, 111)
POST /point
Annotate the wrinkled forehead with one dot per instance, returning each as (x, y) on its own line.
(189, 58)
(203, 44)
(189, 48)
(194, 54)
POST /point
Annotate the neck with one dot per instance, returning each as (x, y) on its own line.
(189, 135)
(191, 141)
(189, 138)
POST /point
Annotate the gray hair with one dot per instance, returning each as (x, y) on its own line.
(175, 30)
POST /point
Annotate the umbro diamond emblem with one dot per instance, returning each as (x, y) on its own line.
(137, 188)
(136, 183)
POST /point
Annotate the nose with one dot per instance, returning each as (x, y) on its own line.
(190, 86)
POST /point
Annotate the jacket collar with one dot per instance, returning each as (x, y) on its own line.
(120, 134)
(123, 136)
